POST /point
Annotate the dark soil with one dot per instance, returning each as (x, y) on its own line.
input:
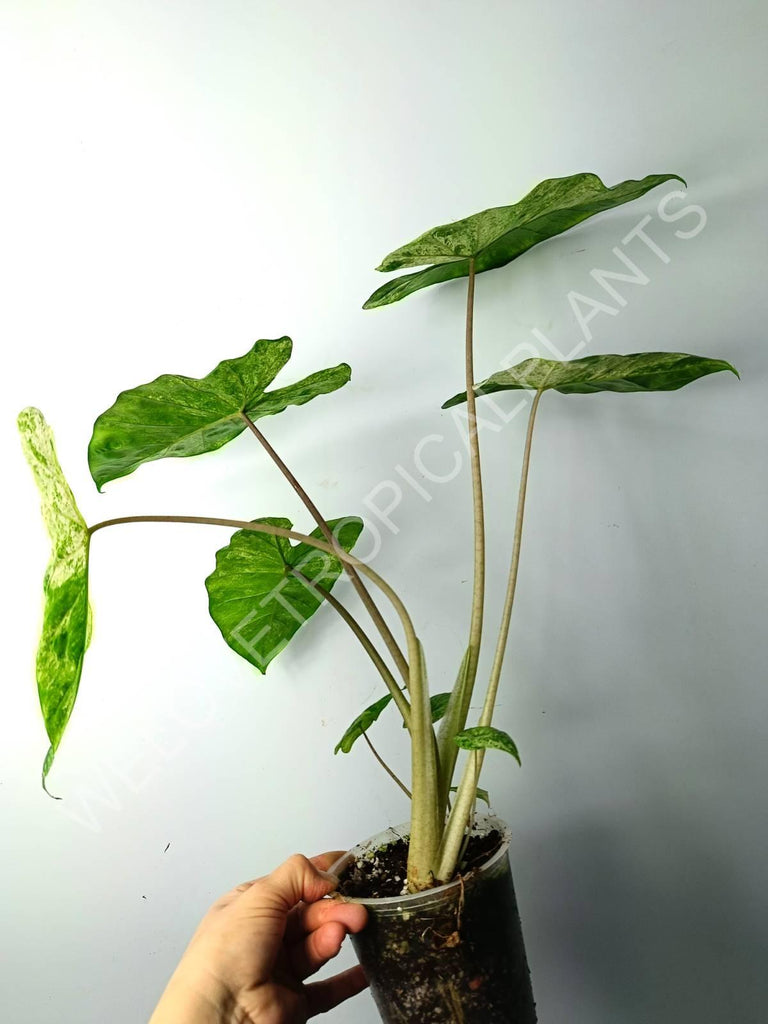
(383, 874)
(458, 959)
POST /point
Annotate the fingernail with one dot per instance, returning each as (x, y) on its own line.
(330, 877)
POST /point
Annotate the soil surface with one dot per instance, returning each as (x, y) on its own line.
(384, 873)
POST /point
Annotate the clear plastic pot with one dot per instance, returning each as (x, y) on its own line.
(453, 953)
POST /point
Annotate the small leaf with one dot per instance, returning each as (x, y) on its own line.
(641, 371)
(66, 616)
(253, 596)
(497, 236)
(175, 417)
(485, 737)
(438, 704)
(482, 794)
(363, 721)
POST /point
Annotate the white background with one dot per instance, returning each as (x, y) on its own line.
(179, 179)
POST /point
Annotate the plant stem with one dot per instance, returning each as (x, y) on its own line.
(458, 820)
(365, 597)
(509, 599)
(465, 798)
(389, 680)
(385, 766)
(478, 587)
(279, 531)
(426, 818)
(425, 825)
(456, 718)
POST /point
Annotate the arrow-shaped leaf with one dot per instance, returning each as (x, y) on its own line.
(497, 236)
(66, 618)
(254, 596)
(485, 737)
(438, 703)
(641, 371)
(361, 724)
(176, 417)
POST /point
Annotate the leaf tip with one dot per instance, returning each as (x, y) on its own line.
(99, 480)
(456, 400)
(47, 763)
(28, 415)
(666, 176)
(383, 295)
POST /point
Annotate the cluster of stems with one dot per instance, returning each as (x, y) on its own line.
(438, 830)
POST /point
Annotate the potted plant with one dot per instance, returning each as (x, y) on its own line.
(444, 940)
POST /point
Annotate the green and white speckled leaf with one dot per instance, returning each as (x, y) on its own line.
(485, 737)
(66, 616)
(176, 417)
(641, 371)
(497, 236)
(253, 597)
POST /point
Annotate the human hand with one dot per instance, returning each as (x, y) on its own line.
(247, 962)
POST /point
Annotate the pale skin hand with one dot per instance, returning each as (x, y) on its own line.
(248, 960)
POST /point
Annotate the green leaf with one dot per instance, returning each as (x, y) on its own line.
(482, 794)
(363, 721)
(485, 737)
(438, 705)
(641, 371)
(496, 237)
(254, 597)
(66, 616)
(175, 417)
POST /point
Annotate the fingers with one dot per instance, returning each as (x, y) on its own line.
(322, 945)
(232, 895)
(321, 862)
(323, 996)
(309, 917)
(325, 926)
(294, 881)
(325, 861)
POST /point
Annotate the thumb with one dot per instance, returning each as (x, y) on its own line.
(295, 880)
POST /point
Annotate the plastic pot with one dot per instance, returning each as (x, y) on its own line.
(453, 953)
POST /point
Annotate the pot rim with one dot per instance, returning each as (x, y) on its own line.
(482, 822)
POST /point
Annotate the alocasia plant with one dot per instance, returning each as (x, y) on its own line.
(263, 587)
